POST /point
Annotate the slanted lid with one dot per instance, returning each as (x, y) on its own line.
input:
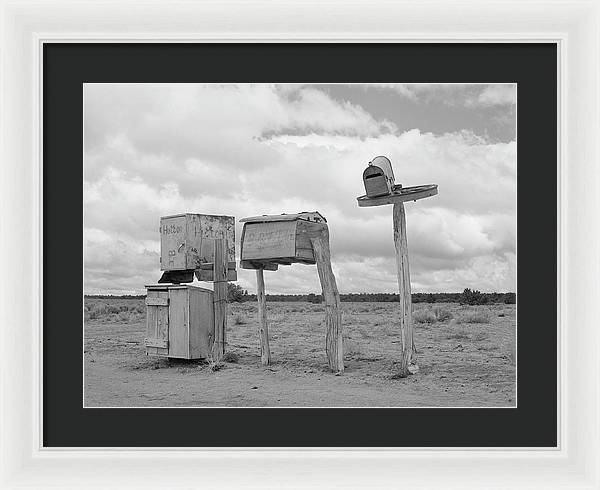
(313, 216)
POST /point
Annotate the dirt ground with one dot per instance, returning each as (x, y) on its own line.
(466, 356)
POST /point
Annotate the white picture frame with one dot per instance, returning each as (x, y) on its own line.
(573, 25)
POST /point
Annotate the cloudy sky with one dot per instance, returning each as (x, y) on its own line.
(152, 150)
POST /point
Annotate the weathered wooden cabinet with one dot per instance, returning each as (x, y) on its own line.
(268, 241)
(179, 321)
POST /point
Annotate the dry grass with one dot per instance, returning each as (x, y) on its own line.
(424, 316)
(475, 317)
(462, 362)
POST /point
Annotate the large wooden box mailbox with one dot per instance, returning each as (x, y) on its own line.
(279, 239)
(187, 246)
(378, 177)
(179, 321)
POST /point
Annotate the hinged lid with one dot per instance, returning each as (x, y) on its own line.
(313, 216)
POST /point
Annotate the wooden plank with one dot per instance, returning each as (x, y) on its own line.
(263, 328)
(153, 301)
(257, 264)
(203, 229)
(157, 322)
(403, 274)
(209, 266)
(269, 240)
(208, 276)
(308, 216)
(173, 233)
(400, 195)
(334, 345)
(153, 342)
(202, 322)
(179, 341)
(220, 299)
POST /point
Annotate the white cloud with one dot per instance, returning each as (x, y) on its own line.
(244, 150)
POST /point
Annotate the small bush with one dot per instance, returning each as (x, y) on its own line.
(239, 320)
(230, 357)
(476, 317)
(424, 316)
(123, 316)
(474, 297)
(442, 314)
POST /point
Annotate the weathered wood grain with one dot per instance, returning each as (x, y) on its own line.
(403, 274)
(334, 345)
(202, 322)
(220, 298)
(269, 240)
(179, 331)
(258, 264)
(157, 301)
(187, 240)
(263, 327)
(157, 323)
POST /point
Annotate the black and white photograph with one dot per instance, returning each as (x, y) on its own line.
(300, 245)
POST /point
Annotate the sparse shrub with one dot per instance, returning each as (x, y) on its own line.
(235, 293)
(239, 320)
(442, 314)
(424, 316)
(474, 297)
(123, 316)
(231, 357)
(510, 298)
(314, 298)
(476, 317)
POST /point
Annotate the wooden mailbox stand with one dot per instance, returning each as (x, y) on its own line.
(191, 244)
(270, 241)
(397, 196)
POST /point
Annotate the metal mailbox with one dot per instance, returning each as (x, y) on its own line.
(378, 177)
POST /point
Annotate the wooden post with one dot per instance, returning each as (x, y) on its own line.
(220, 298)
(334, 344)
(263, 328)
(406, 328)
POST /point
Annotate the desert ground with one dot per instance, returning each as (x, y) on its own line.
(466, 358)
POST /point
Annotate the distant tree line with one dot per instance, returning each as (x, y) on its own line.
(237, 294)
(468, 296)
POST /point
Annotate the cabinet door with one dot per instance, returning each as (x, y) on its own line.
(157, 322)
(179, 339)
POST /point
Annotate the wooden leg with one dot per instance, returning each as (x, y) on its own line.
(263, 328)
(334, 345)
(406, 328)
(220, 298)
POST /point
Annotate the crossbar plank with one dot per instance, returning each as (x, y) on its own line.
(157, 301)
